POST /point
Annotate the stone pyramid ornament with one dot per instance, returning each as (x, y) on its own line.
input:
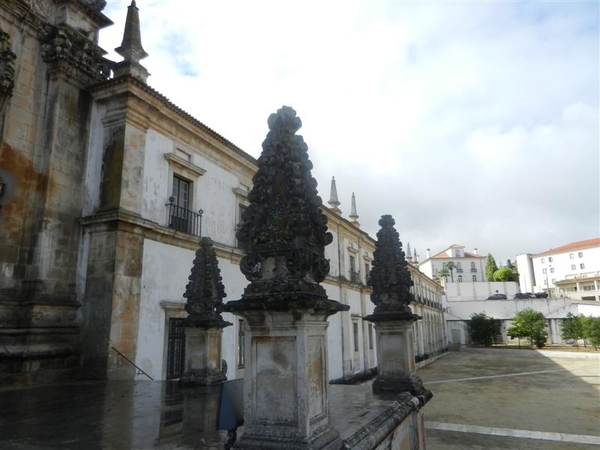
(205, 291)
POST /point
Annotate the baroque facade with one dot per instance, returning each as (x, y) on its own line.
(107, 188)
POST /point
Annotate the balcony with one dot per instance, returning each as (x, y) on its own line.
(473, 270)
(184, 220)
(459, 270)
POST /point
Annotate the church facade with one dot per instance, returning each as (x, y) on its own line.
(106, 189)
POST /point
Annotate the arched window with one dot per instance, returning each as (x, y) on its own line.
(460, 278)
(474, 277)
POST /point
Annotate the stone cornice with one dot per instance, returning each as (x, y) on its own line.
(184, 165)
(156, 104)
(123, 220)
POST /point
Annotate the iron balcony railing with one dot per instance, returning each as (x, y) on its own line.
(183, 219)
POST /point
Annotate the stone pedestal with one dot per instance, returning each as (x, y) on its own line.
(286, 385)
(203, 363)
(396, 358)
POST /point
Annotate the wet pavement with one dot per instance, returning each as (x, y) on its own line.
(482, 400)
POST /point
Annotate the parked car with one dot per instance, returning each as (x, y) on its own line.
(522, 295)
(496, 297)
(541, 295)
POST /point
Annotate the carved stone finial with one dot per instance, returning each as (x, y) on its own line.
(333, 198)
(390, 278)
(205, 291)
(408, 252)
(353, 214)
(284, 227)
(131, 47)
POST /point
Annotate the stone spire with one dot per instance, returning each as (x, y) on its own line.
(205, 291)
(333, 198)
(416, 257)
(286, 389)
(390, 278)
(353, 215)
(391, 283)
(204, 324)
(284, 227)
(408, 252)
(131, 47)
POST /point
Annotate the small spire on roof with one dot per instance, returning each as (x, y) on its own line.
(353, 215)
(131, 47)
(408, 252)
(333, 198)
(416, 257)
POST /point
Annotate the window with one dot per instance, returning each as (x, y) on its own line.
(473, 269)
(474, 278)
(571, 255)
(553, 280)
(367, 272)
(460, 278)
(355, 329)
(181, 217)
(543, 260)
(371, 336)
(240, 344)
(573, 267)
(546, 282)
(580, 254)
(550, 259)
(582, 266)
(176, 348)
(544, 270)
(352, 263)
(551, 269)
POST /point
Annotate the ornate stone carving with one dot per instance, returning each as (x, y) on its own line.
(390, 278)
(7, 68)
(205, 291)
(61, 44)
(284, 227)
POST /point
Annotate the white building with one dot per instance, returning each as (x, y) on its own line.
(468, 267)
(571, 270)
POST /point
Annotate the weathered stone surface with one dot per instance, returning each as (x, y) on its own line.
(205, 290)
(284, 228)
(390, 278)
(285, 307)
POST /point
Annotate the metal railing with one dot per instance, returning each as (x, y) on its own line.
(183, 219)
(139, 370)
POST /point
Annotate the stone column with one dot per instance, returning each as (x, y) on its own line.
(204, 325)
(286, 381)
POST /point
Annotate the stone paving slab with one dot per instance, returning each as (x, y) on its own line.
(528, 396)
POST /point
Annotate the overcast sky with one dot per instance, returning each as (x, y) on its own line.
(472, 123)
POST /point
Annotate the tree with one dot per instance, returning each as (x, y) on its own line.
(505, 274)
(490, 267)
(444, 273)
(484, 329)
(529, 324)
(591, 330)
(451, 266)
(573, 328)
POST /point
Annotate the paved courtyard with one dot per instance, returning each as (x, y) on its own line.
(483, 399)
(513, 399)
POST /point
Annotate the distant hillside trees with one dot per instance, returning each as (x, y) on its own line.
(484, 329)
(531, 325)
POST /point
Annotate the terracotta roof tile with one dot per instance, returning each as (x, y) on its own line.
(595, 242)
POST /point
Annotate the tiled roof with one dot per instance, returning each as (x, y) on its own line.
(443, 255)
(595, 242)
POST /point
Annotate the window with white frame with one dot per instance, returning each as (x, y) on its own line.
(571, 255)
(573, 267)
(582, 266)
(580, 254)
